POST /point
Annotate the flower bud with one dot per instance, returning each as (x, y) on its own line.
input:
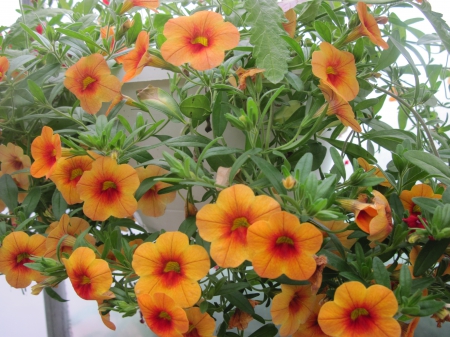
(289, 182)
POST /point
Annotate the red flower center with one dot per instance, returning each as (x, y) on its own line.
(239, 223)
(358, 312)
(200, 40)
(88, 81)
(192, 332)
(77, 173)
(16, 162)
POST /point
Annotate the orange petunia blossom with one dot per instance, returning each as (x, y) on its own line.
(339, 107)
(282, 245)
(46, 150)
(311, 327)
(225, 223)
(16, 249)
(108, 190)
(336, 69)
(374, 219)
(91, 278)
(12, 159)
(163, 315)
(292, 307)
(200, 325)
(70, 229)
(360, 311)
(420, 190)
(171, 266)
(200, 39)
(90, 80)
(368, 27)
(367, 167)
(67, 173)
(338, 226)
(291, 25)
(4, 66)
(244, 73)
(241, 319)
(128, 4)
(152, 203)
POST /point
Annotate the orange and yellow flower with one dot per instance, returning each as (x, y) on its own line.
(12, 159)
(339, 107)
(420, 190)
(108, 190)
(91, 278)
(71, 228)
(367, 167)
(311, 327)
(16, 250)
(291, 25)
(292, 307)
(46, 150)
(336, 69)
(4, 66)
(90, 80)
(163, 315)
(171, 266)
(67, 173)
(200, 39)
(152, 203)
(200, 325)
(128, 4)
(282, 245)
(360, 311)
(225, 223)
(368, 27)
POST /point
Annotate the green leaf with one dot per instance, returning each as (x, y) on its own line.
(188, 226)
(304, 167)
(268, 330)
(240, 301)
(283, 279)
(390, 55)
(230, 288)
(219, 122)
(9, 191)
(275, 177)
(59, 204)
(79, 36)
(294, 45)
(158, 99)
(145, 185)
(31, 200)
(196, 107)
(434, 166)
(240, 162)
(135, 29)
(53, 294)
(380, 273)
(271, 53)
(430, 307)
(307, 12)
(323, 30)
(351, 149)
(338, 163)
(429, 255)
(389, 139)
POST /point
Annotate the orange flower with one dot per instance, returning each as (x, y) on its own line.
(338, 226)
(368, 27)
(225, 223)
(420, 190)
(4, 66)
(200, 39)
(171, 266)
(282, 245)
(67, 173)
(108, 189)
(374, 219)
(200, 325)
(152, 203)
(292, 307)
(46, 150)
(90, 80)
(244, 73)
(108, 33)
(128, 4)
(240, 319)
(360, 311)
(69, 227)
(339, 106)
(15, 251)
(408, 329)
(163, 315)
(367, 167)
(291, 25)
(336, 69)
(13, 159)
(91, 278)
(311, 327)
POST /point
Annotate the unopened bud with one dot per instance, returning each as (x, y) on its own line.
(289, 182)
(382, 20)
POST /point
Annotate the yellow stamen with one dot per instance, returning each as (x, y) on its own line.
(416, 209)
(108, 184)
(165, 315)
(240, 222)
(87, 81)
(200, 40)
(75, 173)
(1, 74)
(172, 266)
(285, 239)
(331, 70)
(22, 256)
(85, 280)
(358, 312)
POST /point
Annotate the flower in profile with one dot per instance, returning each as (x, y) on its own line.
(12, 159)
(225, 223)
(311, 326)
(360, 311)
(374, 219)
(171, 266)
(240, 319)
(70, 229)
(291, 25)
(420, 190)
(67, 173)
(408, 329)
(16, 250)
(200, 39)
(152, 203)
(292, 307)
(90, 80)
(200, 325)
(339, 107)
(46, 150)
(282, 245)
(128, 4)
(91, 278)
(367, 167)
(368, 27)
(336, 69)
(108, 190)
(4, 66)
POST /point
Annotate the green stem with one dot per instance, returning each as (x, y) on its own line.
(64, 115)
